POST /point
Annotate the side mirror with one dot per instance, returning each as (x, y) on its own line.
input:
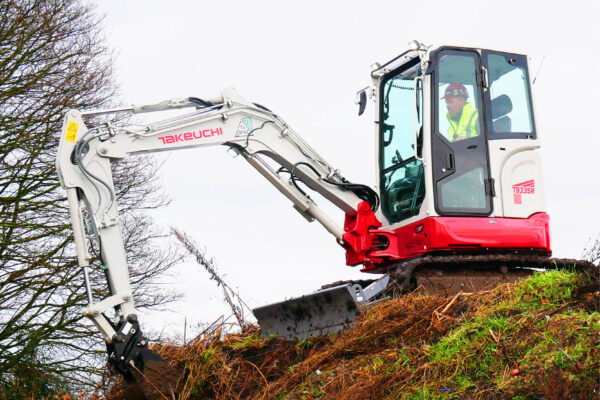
(361, 100)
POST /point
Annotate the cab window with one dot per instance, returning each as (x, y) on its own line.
(508, 99)
(458, 116)
(401, 174)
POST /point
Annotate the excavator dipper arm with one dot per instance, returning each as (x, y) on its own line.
(83, 164)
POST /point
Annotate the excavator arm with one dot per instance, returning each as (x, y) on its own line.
(250, 130)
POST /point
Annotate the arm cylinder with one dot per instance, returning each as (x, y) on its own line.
(83, 257)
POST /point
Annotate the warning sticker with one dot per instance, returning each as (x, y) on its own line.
(72, 128)
(244, 128)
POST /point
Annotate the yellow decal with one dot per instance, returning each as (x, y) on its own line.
(72, 128)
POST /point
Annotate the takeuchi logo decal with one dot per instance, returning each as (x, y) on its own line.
(184, 137)
(519, 189)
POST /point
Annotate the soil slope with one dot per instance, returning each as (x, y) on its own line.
(537, 339)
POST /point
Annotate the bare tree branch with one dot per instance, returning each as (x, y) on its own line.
(228, 293)
(591, 252)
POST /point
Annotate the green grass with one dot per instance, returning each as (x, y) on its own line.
(512, 342)
(516, 330)
(546, 290)
(252, 341)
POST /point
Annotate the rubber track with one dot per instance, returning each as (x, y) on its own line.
(403, 279)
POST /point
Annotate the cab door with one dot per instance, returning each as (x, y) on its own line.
(461, 173)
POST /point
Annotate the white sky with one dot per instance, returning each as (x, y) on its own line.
(305, 61)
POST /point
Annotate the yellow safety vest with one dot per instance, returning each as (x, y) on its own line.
(466, 126)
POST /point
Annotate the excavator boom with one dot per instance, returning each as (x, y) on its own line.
(261, 137)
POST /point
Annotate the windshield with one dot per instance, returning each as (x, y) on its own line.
(398, 117)
(401, 175)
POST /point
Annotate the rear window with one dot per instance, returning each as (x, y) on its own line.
(509, 100)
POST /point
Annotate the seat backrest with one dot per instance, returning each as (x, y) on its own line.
(501, 106)
(503, 124)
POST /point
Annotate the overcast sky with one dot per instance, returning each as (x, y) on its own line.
(305, 61)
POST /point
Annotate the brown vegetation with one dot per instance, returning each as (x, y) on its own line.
(536, 339)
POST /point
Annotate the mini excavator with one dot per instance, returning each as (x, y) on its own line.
(458, 204)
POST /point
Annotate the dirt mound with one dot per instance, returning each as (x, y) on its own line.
(538, 339)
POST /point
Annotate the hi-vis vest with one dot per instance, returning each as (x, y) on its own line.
(467, 125)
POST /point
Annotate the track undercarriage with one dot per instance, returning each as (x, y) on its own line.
(446, 275)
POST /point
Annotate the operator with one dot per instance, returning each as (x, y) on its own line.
(463, 117)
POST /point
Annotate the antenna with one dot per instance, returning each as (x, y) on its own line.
(538, 70)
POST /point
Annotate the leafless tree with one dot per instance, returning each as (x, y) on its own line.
(591, 252)
(53, 58)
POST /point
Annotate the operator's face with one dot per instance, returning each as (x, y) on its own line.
(455, 105)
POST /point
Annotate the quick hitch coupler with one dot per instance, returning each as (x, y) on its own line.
(128, 351)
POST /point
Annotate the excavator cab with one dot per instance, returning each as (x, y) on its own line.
(457, 181)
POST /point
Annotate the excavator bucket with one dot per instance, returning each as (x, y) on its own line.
(319, 313)
(158, 380)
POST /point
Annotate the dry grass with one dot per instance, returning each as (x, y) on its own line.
(535, 339)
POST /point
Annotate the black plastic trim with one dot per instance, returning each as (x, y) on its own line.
(431, 66)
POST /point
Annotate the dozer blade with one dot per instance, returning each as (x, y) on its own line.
(320, 313)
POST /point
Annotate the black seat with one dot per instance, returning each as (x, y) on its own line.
(502, 125)
(501, 106)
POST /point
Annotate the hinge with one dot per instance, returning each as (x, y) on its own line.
(485, 82)
(490, 187)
